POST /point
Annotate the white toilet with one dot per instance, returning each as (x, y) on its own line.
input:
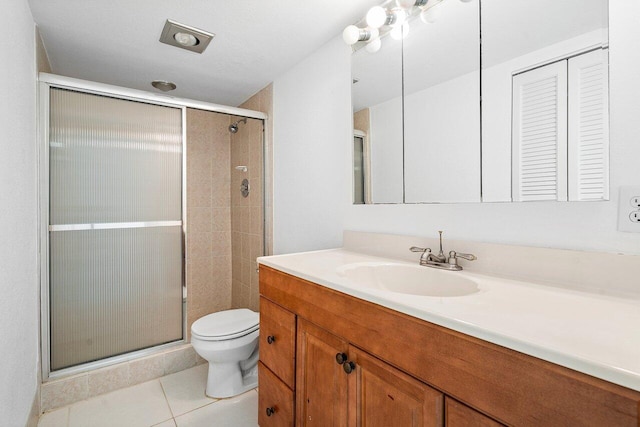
(228, 340)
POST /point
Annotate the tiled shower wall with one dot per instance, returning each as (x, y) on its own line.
(209, 214)
(247, 220)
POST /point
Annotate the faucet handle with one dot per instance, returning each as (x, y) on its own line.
(469, 257)
(426, 253)
(417, 249)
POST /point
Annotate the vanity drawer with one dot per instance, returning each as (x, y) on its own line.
(278, 340)
(275, 400)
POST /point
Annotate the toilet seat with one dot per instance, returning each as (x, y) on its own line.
(226, 325)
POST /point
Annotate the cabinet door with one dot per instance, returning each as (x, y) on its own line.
(321, 383)
(380, 395)
(459, 415)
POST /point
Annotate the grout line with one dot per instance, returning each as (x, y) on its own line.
(198, 408)
(166, 399)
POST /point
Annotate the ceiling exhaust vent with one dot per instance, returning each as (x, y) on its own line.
(185, 37)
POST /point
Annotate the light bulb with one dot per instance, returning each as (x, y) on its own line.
(430, 15)
(400, 32)
(400, 17)
(185, 39)
(374, 45)
(376, 17)
(351, 34)
(405, 4)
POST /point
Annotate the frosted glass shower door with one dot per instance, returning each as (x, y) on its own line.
(115, 226)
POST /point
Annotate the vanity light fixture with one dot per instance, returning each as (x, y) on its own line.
(185, 37)
(353, 34)
(379, 16)
(408, 4)
(390, 17)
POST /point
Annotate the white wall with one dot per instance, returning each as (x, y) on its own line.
(18, 218)
(386, 151)
(307, 217)
(442, 142)
(312, 151)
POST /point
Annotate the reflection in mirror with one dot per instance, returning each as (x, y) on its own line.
(442, 105)
(377, 121)
(545, 119)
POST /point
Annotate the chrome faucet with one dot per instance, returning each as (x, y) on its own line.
(441, 261)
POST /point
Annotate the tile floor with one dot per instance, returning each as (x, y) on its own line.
(176, 400)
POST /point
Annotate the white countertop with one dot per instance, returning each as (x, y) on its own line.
(595, 334)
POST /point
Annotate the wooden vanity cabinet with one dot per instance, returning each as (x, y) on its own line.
(459, 415)
(276, 369)
(341, 385)
(407, 371)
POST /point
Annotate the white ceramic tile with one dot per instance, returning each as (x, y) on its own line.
(57, 418)
(140, 405)
(185, 390)
(240, 411)
(168, 423)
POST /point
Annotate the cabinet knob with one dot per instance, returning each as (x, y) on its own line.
(349, 367)
(341, 358)
(271, 411)
(271, 339)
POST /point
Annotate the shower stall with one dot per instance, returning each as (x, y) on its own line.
(114, 235)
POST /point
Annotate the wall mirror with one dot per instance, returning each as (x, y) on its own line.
(545, 102)
(544, 128)
(441, 70)
(409, 145)
(377, 122)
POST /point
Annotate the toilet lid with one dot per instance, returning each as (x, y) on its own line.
(227, 324)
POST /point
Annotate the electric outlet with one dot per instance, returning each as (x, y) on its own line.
(629, 209)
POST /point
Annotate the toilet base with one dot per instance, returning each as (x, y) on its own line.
(233, 378)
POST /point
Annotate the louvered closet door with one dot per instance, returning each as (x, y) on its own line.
(539, 139)
(588, 127)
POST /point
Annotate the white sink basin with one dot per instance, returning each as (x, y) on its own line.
(408, 279)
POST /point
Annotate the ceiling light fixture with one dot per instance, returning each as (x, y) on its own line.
(185, 37)
(163, 85)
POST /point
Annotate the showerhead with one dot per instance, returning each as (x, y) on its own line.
(233, 128)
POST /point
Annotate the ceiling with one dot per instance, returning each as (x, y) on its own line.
(116, 41)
